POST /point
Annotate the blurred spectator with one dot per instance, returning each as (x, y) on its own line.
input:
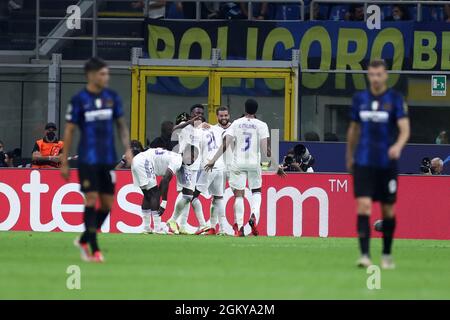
(298, 159)
(312, 136)
(442, 138)
(356, 13)
(165, 139)
(46, 151)
(317, 13)
(15, 5)
(156, 9)
(2, 155)
(329, 136)
(434, 166)
(259, 10)
(437, 166)
(231, 11)
(399, 13)
(447, 12)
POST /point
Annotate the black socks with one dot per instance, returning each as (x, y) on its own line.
(363, 227)
(90, 223)
(388, 234)
(101, 217)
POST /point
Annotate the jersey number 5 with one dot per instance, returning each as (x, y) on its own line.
(248, 139)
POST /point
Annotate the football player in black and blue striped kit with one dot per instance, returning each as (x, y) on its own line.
(95, 110)
(378, 131)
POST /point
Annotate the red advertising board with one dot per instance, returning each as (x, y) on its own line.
(298, 205)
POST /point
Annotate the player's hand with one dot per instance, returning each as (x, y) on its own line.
(205, 125)
(280, 172)
(394, 152)
(209, 166)
(64, 170)
(192, 120)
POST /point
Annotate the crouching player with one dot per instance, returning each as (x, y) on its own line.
(145, 167)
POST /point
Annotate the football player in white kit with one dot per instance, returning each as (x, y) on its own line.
(189, 139)
(213, 182)
(250, 137)
(145, 167)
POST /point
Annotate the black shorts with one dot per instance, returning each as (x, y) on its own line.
(377, 183)
(97, 178)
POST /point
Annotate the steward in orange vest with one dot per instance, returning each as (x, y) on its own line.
(46, 151)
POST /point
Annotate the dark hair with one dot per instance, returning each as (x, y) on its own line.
(136, 147)
(197, 105)
(166, 123)
(311, 136)
(251, 106)
(94, 64)
(376, 63)
(222, 108)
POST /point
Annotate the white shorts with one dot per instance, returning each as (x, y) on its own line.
(211, 182)
(143, 173)
(238, 178)
(186, 178)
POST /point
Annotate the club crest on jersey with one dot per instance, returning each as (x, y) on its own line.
(375, 105)
(387, 106)
(98, 103)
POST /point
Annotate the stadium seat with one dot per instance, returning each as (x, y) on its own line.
(172, 12)
(287, 12)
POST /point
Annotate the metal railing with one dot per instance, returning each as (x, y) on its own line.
(418, 4)
(95, 19)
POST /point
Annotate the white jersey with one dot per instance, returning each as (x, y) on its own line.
(152, 163)
(162, 160)
(227, 157)
(247, 134)
(190, 135)
(210, 144)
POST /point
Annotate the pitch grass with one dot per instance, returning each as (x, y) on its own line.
(33, 266)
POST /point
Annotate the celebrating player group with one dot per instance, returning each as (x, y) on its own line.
(208, 156)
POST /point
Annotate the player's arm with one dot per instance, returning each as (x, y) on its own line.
(68, 137)
(352, 140)
(164, 189)
(184, 124)
(124, 135)
(227, 139)
(395, 150)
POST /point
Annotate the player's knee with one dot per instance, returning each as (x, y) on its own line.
(238, 193)
(364, 206)
(91, 199)
(258, 190)
(387, 211)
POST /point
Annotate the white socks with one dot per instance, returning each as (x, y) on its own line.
(198, 210)
(218, 214)
(239, 211)
(255, 203)
(147, 218)
(156, 221)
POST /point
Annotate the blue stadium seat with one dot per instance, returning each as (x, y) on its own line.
(172, 12)
(337, 12)
(287, 12)
(437, 13)
(386, 11)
